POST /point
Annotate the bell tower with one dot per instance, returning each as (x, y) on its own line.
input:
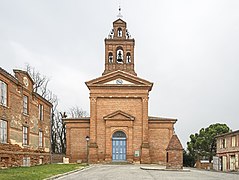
(119, 49)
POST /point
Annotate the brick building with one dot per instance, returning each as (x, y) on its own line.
(228, 151)
(24, 122)
(174, 154)
(119, 126)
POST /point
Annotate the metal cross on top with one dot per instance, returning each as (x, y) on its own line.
(119, 15)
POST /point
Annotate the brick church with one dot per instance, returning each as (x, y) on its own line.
(119, 127)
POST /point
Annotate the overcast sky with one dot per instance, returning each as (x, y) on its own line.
(189, 49)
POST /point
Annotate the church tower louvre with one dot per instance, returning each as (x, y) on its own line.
(119, 49)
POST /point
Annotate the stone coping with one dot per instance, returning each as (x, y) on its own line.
(161, 168)
(67, 173)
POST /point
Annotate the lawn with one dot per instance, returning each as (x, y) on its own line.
(37, 172)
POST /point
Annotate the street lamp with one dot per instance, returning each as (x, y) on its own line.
(87, 138)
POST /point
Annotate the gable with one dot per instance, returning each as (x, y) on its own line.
(118, 81)
(119, 115)
(174, 143)
(119, 21)
(119, 78)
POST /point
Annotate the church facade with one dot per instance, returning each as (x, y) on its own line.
(119, 128)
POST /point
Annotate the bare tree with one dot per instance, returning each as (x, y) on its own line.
(40, 81)
(58, 133)
(58, 130)
(58, 138)
(76, 112)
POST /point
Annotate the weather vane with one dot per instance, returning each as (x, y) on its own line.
(119, 15)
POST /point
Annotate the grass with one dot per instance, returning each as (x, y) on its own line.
(37, 172)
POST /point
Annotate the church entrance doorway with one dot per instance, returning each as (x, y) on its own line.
(119, 146)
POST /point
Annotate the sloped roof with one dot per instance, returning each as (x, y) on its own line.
(174, 143)
(8, 75)
(136, 81)
(119, 20)
(17, 82)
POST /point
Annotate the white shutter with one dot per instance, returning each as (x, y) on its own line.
(4, 131)
(23, 141)
(1, 136)
(1, 95)
(224, 161)
(236, 160)
(40, 139)
(237, 140)
(4, 94)
(233, 141)
(39, 111)
(42, 113)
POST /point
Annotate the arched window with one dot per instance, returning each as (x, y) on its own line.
(119, 55)
(128, 58)
(119, 134)
(120, 34)
(110, 57)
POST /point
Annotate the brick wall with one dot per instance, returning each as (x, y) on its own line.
(174, 154)
(13, 114)
(76, 132)
(57, 158)
(159, 137)
(11, 155)
(175, 159)
(228, 151)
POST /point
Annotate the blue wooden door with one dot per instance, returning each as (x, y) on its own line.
(119, 150)
(119, 146)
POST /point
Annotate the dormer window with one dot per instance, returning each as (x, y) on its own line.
(120, 34)
(120, 55)
(110, 57)
(128, 58)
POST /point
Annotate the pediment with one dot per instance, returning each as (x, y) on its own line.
(119, 78)
(119, 115)
(119, 21)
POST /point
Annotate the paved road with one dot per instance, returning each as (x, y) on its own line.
(128, 172)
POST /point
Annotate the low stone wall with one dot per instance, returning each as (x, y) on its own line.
(204, 165)
(57, 158)
(13, 155)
